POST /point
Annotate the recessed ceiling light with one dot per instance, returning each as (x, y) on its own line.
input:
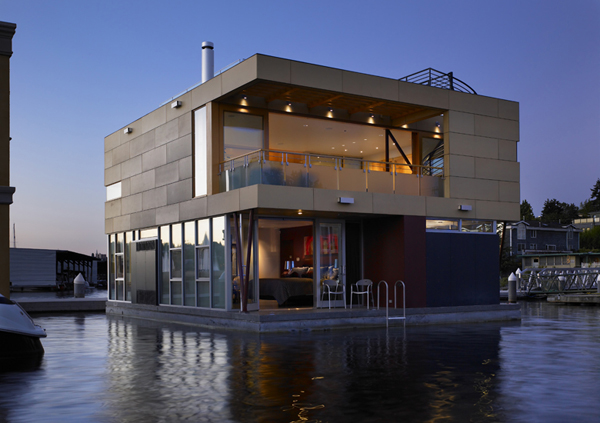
(343, 145)
(361, 151)
(376, 148)
(333, 148)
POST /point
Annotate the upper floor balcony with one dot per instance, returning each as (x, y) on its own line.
(309, 170)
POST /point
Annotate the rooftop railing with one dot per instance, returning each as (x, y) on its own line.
(272, 167)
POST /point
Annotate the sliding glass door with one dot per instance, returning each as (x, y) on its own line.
(330, 263)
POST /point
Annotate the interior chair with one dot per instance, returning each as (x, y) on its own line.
(362, 287)
(333, 287)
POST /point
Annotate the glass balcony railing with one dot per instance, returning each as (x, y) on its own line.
(271, 167)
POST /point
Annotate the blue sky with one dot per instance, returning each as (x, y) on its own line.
(83, 69)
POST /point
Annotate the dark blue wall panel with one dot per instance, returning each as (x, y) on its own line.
(462, 269)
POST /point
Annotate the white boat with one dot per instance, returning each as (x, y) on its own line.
(18, 333)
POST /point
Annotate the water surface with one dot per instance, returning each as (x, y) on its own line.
(102, 368)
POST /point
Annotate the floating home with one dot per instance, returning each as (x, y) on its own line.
(248, 200)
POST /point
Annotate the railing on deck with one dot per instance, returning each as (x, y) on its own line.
(272, 167)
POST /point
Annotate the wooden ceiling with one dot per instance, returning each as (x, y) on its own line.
(272, 91)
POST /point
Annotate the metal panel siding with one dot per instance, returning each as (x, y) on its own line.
(29, 267)
(462, 269)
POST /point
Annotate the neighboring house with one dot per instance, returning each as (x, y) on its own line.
(587, 223)
(527, 237)
(340, 175)
(560, 261)
(42, 268)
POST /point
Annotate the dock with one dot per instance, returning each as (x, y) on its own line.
(593, 298)
(61, 305)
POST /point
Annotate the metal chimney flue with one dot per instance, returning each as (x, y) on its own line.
(208, 61)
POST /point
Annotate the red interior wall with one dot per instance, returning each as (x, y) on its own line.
(395, 248)
(297, 236)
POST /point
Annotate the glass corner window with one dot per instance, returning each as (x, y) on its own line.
(113, 191)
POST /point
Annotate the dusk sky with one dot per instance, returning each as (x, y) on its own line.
(83, 69)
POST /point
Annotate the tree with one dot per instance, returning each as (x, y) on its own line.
(595, 197)
(556, 211)
(527, 211)
(590, 240)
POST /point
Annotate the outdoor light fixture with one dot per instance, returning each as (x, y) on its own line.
(299, 211)
(127, 131)
(465, 207)
(176, 104)
(345, 200)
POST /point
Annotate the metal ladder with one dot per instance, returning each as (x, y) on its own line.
(387, 316)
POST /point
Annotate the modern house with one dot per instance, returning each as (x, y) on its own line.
(531, 237)
(283, 180)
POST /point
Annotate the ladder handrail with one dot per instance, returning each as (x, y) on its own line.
(387, 317)
(403, 297)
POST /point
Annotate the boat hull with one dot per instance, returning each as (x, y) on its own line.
(13, 344)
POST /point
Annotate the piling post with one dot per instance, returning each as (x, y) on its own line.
(512, 288)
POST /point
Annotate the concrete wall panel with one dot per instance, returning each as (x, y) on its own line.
(509, 191)
(422, 95)
(507, 150)
(498, 211)
(463, 123)
(499, 170)
(274, 69)
(508, 109)
(131, 204)
(184, 109)
(476, 104)
(368, 85)
(112, 208)
(167, 174)
(285, 197)
(121, 223)
(131, 167)
(167, 214)
(112, 141)
(206, 92)
(154, 198)
(460, 166)
(239, 75)
(223, 202)
(108, 159)
(398, 204)
(142, 144)
(193, 209)
(167, 132)
(179, 191)
(120, 154)
(448, 207)
(154, 158)
(143, 182)
(112, 175)
(154, 119)
(179, 148)
(475, 189)
(316, 76)
(327, 200)
(185, 168)
(143, 219)
(497, 128)
(184, 124)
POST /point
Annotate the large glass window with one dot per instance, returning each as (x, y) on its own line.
(176, 265)
(189, 282)
(128, 244)
(111, 266)
(165, 291)
(218, 263)
(203, 263)
(243, 133)
(120, 267)
(200, 153)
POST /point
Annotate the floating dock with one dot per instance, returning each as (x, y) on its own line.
(575, 298)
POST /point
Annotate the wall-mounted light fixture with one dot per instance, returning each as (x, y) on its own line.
(176, 104)
(345, 200)
(465, 207)
(127, 131)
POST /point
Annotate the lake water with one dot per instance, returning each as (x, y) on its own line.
(100, 368)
